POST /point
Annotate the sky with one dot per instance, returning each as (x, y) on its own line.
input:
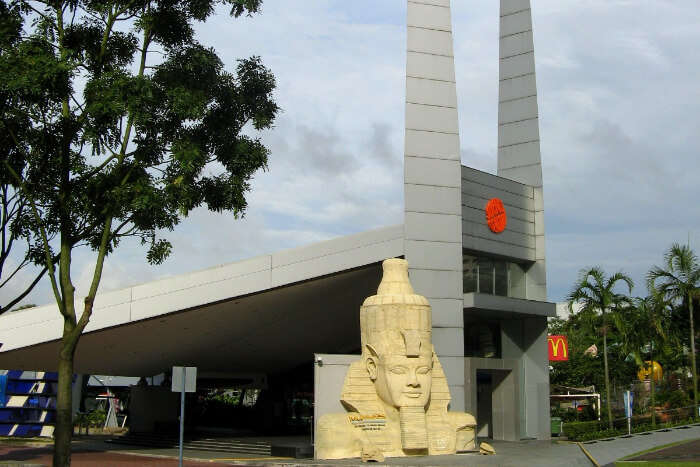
(619, 106)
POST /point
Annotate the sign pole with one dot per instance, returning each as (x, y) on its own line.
(182, 415)
(628, 411)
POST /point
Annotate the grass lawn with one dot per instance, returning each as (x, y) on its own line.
(654, 464)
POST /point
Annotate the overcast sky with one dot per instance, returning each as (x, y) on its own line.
(619, 101)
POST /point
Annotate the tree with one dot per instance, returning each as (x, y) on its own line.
(596, 295)
(679, 282)
(121, 124)
(17, 241)
(644, 329)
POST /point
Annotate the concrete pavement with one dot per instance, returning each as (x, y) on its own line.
(606, 452)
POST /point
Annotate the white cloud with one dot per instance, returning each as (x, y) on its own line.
(619, 107)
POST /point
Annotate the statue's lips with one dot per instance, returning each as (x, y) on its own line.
(413, 394)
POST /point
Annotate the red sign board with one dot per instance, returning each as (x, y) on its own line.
(558, 348)
(496, 217)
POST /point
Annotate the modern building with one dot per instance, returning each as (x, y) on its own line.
(264, 318)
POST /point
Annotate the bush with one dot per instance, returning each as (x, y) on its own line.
(576, 430)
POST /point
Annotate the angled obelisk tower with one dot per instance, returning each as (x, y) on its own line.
(518, 122)
(432, 182)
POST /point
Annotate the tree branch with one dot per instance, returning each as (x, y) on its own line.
(44, 239)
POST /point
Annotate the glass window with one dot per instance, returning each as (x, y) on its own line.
(491, 276)
(482, 339)
(471, 274)
(517, 281)
(500, 271)
(485, 276)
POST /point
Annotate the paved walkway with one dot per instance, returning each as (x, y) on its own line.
(94, 451)
(606, 452)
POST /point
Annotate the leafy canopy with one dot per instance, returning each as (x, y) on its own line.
(112, 111)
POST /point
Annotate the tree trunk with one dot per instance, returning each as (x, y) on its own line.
(607, 374)
(63, 433)
(653, 389)
(692, 356)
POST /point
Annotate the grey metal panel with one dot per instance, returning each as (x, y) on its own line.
(515, 23)
(434, 255)
(509, 199)
(436, 284)
(447, 312)
(513, 88)
(432, 181)
(453, 367)
(432, 145)
(420, 65)
(507, 236)
(431, 92)
(524, 131)
(433, 199)
(329, 376)
(517, 110)
(457, 392)
(436, 172)
(430, 41)
(518, 155)
(449, 342)
(432, 227)
(516, 44)
(498, 248)
(336, 245)
(474, 202)
(432, 118)
(532, 173)
(443, 3)
(508, 7)
(514, 224)
(490, 180)
(514, 305)
(518, 65)
(428, 16)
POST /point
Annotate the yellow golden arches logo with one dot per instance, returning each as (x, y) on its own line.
(558, 348)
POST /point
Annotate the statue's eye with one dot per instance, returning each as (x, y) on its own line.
(398, 370)
(424, 370)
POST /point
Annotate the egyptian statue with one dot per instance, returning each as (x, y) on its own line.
(396, 395)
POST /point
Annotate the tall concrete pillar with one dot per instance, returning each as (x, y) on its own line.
(519, 156)
(519, 159)
(432, 182)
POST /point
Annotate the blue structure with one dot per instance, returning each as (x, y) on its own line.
(27, 403)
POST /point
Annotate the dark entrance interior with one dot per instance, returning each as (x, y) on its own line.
(496, 411)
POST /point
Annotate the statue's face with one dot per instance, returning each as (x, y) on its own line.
(403, 381)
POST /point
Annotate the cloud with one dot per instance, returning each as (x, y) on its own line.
(619, 110)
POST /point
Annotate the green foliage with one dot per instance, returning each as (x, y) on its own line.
(103, 139)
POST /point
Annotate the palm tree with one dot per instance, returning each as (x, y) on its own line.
(642, 326)
(596, 295)
(678, 282)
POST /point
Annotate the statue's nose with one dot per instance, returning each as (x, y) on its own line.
(413, 379)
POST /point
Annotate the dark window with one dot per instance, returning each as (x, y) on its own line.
(482, 339)
(471, 274)
(485, 276)
(493, 276)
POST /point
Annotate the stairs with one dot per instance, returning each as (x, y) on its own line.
(198, 442)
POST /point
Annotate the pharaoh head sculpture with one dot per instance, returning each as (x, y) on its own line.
(397, 350)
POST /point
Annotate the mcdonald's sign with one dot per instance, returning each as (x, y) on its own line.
(558, 348)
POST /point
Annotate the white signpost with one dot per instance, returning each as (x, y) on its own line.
(184, 380)
(629, 403)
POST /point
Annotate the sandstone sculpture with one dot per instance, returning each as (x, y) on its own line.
(396, 395)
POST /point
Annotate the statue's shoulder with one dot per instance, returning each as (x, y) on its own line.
(336, 438)
(461, 419)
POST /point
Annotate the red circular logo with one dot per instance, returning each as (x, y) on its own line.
(496, 215)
